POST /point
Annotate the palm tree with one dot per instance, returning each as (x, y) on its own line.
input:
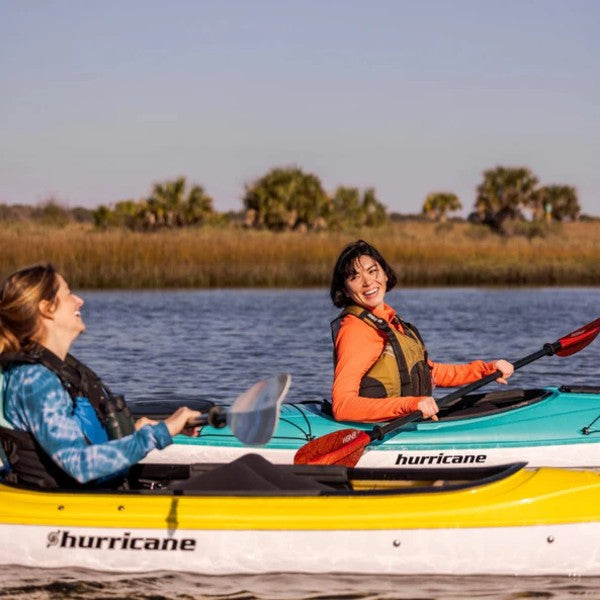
(374, 211)
(166, 202)
(502, 194)
(286, 198)
(351, 209)
(559, 202)
(346, 208)
(438, 204)
(198, 206)
(505, 188)
(170, 206)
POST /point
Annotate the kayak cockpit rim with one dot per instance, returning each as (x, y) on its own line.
(343, 481)
(466, 407)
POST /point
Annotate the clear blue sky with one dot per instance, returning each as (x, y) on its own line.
(99, 100)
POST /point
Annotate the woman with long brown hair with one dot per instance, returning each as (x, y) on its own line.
(58, 417)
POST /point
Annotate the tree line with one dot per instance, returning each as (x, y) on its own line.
(284, 199)
(287, 198)
(503, 197)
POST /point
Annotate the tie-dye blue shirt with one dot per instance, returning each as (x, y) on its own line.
(35, 401)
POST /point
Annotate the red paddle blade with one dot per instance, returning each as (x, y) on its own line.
(343, 447)
(579, 339)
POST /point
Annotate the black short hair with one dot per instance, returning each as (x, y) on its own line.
(344, 268)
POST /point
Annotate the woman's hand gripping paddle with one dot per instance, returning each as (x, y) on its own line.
(254, 415)
(345, 447)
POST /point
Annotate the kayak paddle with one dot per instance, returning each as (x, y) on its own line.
(345, 447)
(254, 415)
(252, 418)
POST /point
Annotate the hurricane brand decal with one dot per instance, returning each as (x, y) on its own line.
(441, 459)
(65, 539)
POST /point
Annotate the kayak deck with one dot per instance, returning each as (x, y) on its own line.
(355, 498)
(556, 427)
(515, 417)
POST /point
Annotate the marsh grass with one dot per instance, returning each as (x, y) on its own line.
(423, 254)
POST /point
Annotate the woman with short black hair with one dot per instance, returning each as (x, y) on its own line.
(382, 370)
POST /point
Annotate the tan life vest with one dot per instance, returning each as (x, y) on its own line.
(401, 369)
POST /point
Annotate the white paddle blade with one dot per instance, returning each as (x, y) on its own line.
(254, 415)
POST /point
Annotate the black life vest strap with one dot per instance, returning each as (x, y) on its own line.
(383, 326)
(409, 329)
(77, 378)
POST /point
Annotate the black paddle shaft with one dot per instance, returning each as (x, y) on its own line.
(215, 417)
(380, 431)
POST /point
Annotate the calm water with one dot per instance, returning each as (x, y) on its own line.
(213, 344)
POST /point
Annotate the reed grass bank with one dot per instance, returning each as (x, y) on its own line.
(424, 254)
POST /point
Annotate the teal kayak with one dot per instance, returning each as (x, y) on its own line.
(554, 426)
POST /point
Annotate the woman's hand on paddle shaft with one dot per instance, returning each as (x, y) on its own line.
(178, 421)
(505, 368)
(428, 407)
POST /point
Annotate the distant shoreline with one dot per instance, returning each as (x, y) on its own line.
(422, 253)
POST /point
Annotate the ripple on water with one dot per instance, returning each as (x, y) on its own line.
(47, 584)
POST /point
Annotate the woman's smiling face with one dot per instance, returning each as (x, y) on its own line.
(367, 284)
(67, 312)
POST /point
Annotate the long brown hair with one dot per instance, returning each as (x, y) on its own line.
(20, 297)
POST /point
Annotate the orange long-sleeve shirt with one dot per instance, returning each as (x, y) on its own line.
(358, 346)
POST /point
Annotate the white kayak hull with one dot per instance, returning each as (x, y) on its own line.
(565, 456)
(537, 550)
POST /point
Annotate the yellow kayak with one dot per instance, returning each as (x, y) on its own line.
(497, 520)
